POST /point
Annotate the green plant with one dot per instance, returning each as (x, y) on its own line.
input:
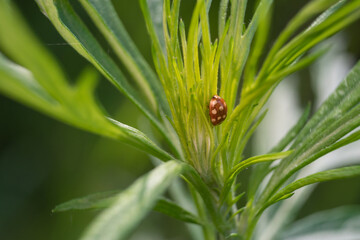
(191, 67)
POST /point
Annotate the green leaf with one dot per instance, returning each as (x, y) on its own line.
(152, 30)
(296, 66)
(344, 98)
(236, 52)
(44, 87)
(342, 219)
(310, 10)
(338, 116)
(222, 16)
(261, 11)
(106, 199)
(261, 93)
(239, 53)
(257, 159)
(93, 201)
(83, 112)
(171, 209)
(331, 21)
(19, 84)
(208, 5)
(156, 12)
(18, 42)
(132, 205)
(260, 171)
(257, 49)
(246, 163)
(288, 191)
(73, 30)
(141, 141)
(105, 17)
(334, 174)
(238, 148)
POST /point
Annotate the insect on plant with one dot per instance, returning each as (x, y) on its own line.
(203, 138)
(217, 110)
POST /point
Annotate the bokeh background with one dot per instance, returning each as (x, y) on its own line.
(44, 162)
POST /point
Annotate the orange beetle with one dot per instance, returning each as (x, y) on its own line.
(217, 110)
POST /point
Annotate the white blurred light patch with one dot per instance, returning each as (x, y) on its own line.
(284, 111)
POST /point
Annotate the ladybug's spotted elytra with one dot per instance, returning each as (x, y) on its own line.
(217, 110)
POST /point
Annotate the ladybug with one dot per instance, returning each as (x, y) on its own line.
(217, 110)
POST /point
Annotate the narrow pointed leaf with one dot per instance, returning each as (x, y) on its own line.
(331, 21)
(334, 174)
(246, 163)
(19, 84)
(156, 11)
(141, 141)
(260, 171)
(344, 220)
(73, 30)
(51, 94)
(288, 191)
(105, 17)
(171, 209)
(152, 30)
(337, 116)
(106, 199)
(19, 43)
(222, 16)
(132, 205)
(310, 10)
(93, 201)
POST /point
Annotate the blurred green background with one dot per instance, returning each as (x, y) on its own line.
(44, 162)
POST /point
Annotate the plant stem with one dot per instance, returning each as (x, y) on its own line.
(208, 230)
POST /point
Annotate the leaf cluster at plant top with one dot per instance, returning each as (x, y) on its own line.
(190, 68)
